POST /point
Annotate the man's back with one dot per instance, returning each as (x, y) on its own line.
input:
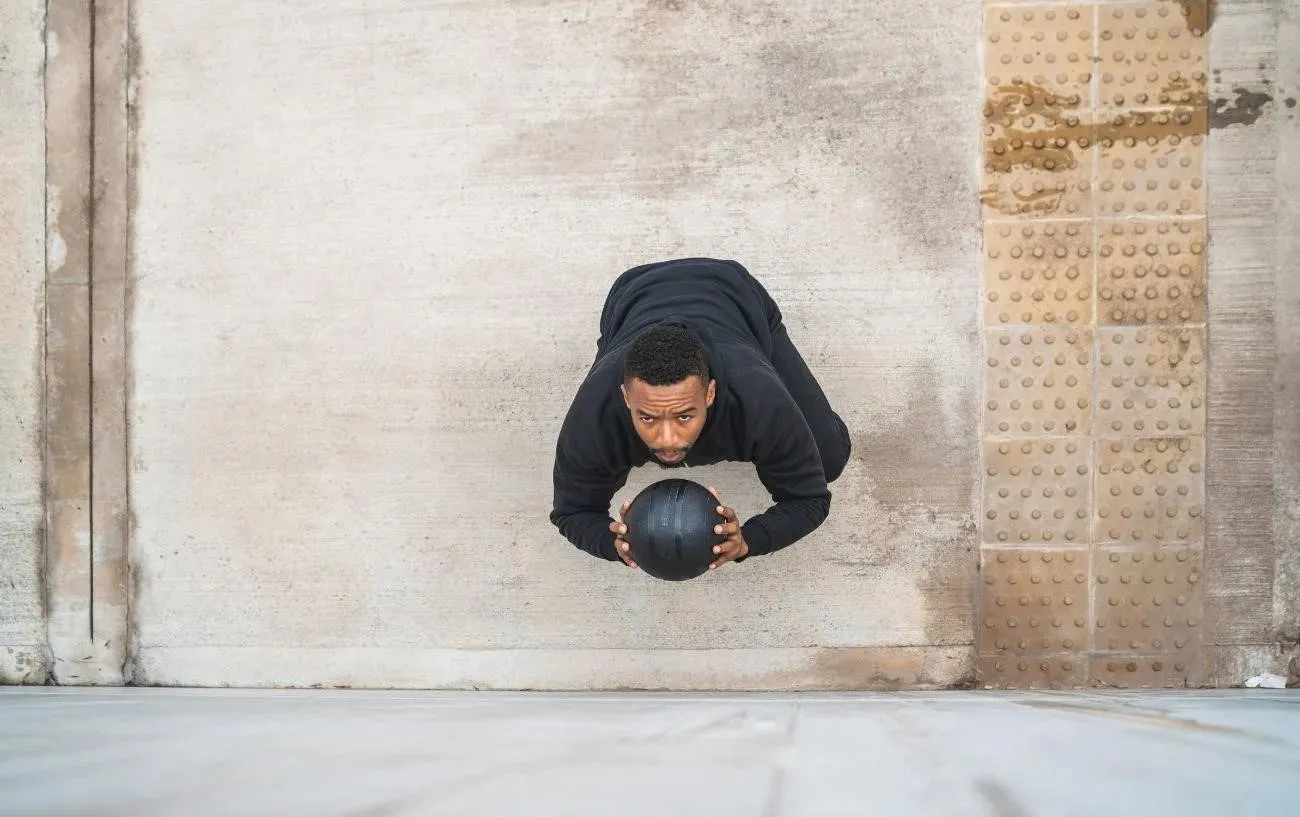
(720, 297)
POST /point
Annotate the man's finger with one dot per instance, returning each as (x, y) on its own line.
(727, 529)
(728, 548)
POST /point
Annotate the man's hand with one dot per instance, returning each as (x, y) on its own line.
(619, 529)
(734, 547)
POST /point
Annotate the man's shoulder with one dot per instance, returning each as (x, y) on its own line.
(598, 392)
(754, 385)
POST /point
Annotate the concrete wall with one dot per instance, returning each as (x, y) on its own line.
(371, 245)
(22, 304)
(344, 270)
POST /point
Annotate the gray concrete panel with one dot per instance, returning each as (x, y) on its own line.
(23, 654)
(370, 245)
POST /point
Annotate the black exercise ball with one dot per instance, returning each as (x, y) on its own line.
(670, 529)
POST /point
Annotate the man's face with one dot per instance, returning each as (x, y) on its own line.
(669, 418)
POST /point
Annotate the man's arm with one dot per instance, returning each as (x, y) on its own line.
(588, 472)
(786, 459)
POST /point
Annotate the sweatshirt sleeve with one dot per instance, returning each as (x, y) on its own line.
(785, 457)
(585, 478)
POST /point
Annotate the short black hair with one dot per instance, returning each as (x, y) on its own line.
(665, 354)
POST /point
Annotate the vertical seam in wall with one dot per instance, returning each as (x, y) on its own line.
(128, 249)
(981, 340)
(90, 326)
(44, 583)
(1094, 440)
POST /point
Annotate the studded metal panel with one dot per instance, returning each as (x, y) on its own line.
(1150, 490)
(1038, 274)
(1151, 381)
(1151, 273)
(1147, 601)
(1011, 671)
(1038, 382)
(1093, 307)
(1037, 492)
(1034, 600)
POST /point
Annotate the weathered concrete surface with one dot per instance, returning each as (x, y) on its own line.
(1253, 485)
(370, 246)
(285, 753)
(1286, 376)
(110, 177)
(23, 654)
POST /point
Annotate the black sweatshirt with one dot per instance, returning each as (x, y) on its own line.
(753, 418)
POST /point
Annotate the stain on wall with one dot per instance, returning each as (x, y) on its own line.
(1244, 109)
(1094, 129)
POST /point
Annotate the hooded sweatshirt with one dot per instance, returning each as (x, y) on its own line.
(753, 418)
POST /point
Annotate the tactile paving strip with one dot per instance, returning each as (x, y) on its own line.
(1037, 491)
(1151, 163)
(1039, 135)
(1150, 490)
(1151, 381)
(1151, 273)
(1039, 382)
(1163, 671)
(1038, 273)
(1033, 672)
(1050, 47)
(1094, 294)
(1151, 55)
(1038, 155)
(1147, 600)
(1034, 601)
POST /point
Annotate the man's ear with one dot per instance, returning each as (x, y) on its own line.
(713, 392)
(623, 388)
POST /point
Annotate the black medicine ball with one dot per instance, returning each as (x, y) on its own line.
(670, 529)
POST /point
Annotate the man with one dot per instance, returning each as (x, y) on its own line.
(694, 366)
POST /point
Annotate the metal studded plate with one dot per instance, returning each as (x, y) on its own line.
(1038, 155)
(1151, 163)
(1048, 46)
(1151, 381)
(1151, 273)
(1034, 601)
(1147, 600)
(1038, 382)
(1038, 129)
(1037, 491)
(1038, 273)
(1146, 671)
(1151, 55)
(1033, 672)
(1150, 490)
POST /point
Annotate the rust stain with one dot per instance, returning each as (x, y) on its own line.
(1032, 131)
(1245, 109)
(1198, 14)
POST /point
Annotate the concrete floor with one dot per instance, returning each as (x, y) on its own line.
(140, 752)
